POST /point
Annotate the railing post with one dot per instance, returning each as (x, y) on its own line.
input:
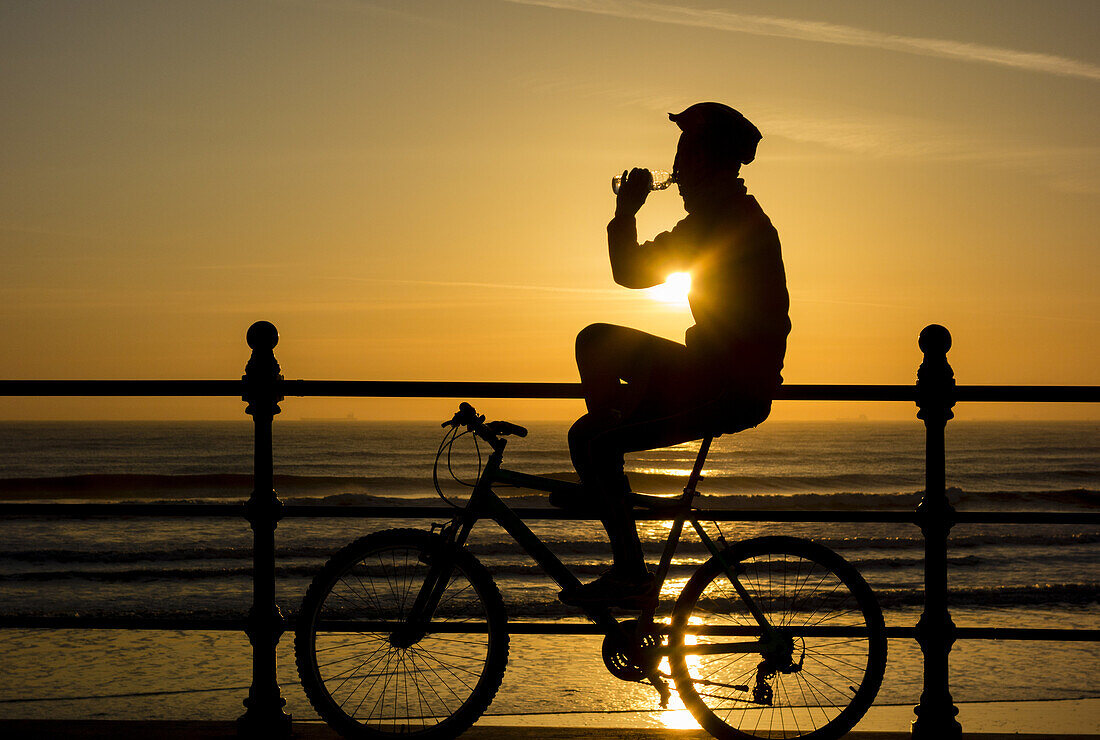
(264, 716)
(935, 630)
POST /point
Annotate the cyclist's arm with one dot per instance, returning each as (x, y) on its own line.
(635, 265)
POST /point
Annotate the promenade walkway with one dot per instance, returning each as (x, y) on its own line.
(180, 730)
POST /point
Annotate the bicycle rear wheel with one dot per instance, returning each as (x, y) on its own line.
(814, 680)
(368, 673)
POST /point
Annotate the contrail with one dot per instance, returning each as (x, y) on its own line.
(829, 33)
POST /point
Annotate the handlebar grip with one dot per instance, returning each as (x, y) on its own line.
(507, 427)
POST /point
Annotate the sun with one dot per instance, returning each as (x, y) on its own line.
(674, 290)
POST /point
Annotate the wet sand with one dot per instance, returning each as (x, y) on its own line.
(80, 675)
(181, 730)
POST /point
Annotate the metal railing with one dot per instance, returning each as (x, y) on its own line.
(264, 388)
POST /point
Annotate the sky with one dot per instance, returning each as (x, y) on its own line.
(419, 189)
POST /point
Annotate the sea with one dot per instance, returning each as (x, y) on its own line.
(1029, 575)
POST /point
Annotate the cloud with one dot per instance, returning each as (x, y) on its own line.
(487, 286)
(829, 33)
(843, 132)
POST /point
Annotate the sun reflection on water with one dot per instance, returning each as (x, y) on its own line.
(677, 717)
(682, 472)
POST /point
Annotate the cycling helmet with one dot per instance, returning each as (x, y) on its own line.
(720, 127)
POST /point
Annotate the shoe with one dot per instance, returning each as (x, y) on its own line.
(577, 500)
(611, 589)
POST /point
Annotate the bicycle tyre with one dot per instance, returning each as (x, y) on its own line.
(367, 687)
(800, 586)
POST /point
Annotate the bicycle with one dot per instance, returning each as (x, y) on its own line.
(404, 632)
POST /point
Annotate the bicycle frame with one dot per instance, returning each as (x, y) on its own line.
(739, 662)
(485, 504)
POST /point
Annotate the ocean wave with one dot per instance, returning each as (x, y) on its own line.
(509, 569)
(581, 548)
(720, 490)
(1038, 594)
(542, 603)
(732, 481)
(963, 540)
(184, 554)
(212, 485)
(168, 575)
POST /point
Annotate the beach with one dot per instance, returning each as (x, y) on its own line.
(165, 676)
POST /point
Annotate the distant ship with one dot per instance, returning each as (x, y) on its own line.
(349, 417)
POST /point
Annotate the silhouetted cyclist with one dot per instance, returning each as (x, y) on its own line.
(723, 379)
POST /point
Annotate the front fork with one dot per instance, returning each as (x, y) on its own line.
(440, 569)
(452, 538)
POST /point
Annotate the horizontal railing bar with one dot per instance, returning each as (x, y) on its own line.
(847, 393)
(305, 511)
(109, 510)
(1028, 393)
(481, 627)
(232, 388)
(771, 515)
(459, 389)
(429, 389)
(515, 628)
(1026, 517)
(432, 512)
(1025, 633)
(479, 389)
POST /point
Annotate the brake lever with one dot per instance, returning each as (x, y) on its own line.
(464, 410)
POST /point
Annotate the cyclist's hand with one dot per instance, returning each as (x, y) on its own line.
(464, 415)
(633, 191)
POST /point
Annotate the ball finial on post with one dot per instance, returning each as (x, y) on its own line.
(934, 340)
(262, 336)
(261, 374)
(935, 379)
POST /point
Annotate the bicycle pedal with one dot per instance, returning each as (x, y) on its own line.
(662, 689)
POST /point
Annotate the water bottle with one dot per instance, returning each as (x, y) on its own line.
(661, 180)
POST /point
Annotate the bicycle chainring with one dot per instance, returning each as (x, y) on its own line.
(624, 661)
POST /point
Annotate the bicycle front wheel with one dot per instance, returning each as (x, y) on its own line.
(814, 677)
(369, 671)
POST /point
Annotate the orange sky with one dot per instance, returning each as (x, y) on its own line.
(418, 190)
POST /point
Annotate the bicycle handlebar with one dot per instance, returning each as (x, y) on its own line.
(507, 427)
(468, 417)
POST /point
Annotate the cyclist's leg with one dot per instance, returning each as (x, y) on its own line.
(690, 420)
(600, 467)
(608, 354)
(652, 367)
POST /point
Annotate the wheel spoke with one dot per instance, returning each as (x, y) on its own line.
(796, 584)
(410, 680)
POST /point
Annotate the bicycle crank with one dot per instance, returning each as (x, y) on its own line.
(631, 654)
